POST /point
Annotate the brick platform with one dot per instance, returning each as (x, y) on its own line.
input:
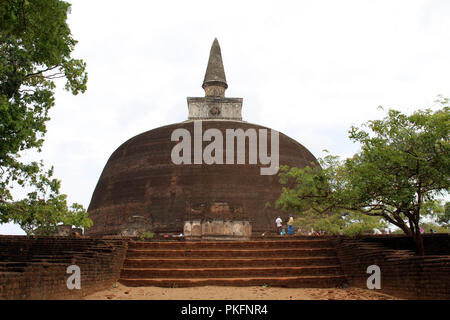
(35, 267)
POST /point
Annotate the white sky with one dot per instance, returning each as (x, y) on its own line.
(309, 69)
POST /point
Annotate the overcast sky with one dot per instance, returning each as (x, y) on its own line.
(309, 69)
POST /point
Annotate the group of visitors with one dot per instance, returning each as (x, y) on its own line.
(290, 226)
(315, 233)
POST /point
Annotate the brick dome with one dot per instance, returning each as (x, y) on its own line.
(141, 180)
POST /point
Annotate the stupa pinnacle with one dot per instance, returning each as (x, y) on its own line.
(215, 81)
(214, 105)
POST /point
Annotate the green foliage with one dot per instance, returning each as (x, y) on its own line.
(340, 223)
(44, 209)
(438, 212)
(443, 218)
(430, 227)
(441, 214)
(402, 165)
(147, 235)
(432, 208)
(35, 50)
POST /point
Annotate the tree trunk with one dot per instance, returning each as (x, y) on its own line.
(420, 250)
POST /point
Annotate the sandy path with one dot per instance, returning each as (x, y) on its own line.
(121, 292)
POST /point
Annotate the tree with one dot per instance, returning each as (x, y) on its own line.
(443, 215)
(35, 50)
(44, 208)
(438, 212)
(444, 218)
(339, 223)
(404, 163)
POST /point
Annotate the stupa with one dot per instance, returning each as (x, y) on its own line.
(158, 181)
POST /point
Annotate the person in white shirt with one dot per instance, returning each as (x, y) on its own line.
(279, 223)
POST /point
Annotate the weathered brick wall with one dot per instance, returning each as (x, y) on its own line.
(403, 273)
(435, 244)
(35, 267)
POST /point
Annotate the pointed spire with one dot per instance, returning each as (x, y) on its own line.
(215, 82)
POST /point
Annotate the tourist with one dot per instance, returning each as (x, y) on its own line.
(279, 223)
(290, 225)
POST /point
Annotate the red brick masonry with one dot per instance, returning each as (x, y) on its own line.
(403, 274)
(35, 267)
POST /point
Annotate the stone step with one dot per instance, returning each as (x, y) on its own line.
(300, 244)
(241, 253)
(293, 282)
(285, 262)
(236, 262)
(145, 273)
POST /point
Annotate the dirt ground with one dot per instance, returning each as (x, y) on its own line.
(121, 292)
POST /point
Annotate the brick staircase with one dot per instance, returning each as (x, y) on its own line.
(310, 263)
